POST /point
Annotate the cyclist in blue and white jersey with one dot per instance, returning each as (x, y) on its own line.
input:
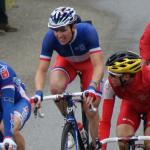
(15, 108)
(78, 49)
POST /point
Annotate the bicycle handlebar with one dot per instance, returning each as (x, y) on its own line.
(117, 139)
(62, 95)
(75, 94)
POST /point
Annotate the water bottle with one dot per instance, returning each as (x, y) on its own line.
(83, 133)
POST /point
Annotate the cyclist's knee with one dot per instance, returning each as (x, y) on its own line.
(58, 82)
(57, 87)
(125, 130)
(147, 133)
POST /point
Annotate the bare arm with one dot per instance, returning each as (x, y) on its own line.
(98, 67)
(41, 74)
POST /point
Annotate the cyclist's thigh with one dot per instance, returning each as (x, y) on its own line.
(87, 73)
(86, 69)
(128, 119)
(62, 72)
(147, 125)
(22, 112)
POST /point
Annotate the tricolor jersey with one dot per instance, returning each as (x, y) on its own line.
(84, 42)
(11, 91)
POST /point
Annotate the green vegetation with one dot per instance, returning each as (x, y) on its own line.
(9, 3)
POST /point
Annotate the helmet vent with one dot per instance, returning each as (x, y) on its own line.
(122, 65)
(137, 66)
(131, 62)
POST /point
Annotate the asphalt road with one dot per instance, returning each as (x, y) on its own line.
(119, 23)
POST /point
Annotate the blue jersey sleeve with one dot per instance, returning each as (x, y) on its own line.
(47, 46)
(7, 94)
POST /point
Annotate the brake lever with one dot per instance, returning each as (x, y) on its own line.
(92, 108)
(6, 146)
(36, 111)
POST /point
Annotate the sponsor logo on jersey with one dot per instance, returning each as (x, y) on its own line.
(4, 72)
(80, 47)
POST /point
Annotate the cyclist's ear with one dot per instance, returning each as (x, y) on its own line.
(73, 28)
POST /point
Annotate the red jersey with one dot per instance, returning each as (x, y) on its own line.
(145, 43)
(137, 93)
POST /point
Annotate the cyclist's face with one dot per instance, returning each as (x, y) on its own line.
(64, 34)
(116, 79)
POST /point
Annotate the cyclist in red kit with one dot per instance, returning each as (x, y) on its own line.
(130, 81)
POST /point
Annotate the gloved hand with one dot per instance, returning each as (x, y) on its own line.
(38, 96)
(12, 144)
(90, 95)
(36, 103)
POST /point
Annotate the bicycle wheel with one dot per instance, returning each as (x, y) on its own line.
(69, 140)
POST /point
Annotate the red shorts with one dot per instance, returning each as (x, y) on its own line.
(130, 115)
(71, 69)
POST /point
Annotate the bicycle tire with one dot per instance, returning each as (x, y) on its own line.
(85, 125)
(69, 130)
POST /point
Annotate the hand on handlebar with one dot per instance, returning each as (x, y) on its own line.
(38, 97)
(12, 145)
(36, 103)
(90, 95)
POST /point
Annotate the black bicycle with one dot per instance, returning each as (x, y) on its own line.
(71, 132)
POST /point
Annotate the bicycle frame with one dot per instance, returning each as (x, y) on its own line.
(70, 118)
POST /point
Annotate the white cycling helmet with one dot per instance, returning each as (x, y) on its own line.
(62, 16)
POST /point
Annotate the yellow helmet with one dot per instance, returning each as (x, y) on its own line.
(124, 62)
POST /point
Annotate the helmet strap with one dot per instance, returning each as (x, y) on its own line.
(71, 26)
(122, 82)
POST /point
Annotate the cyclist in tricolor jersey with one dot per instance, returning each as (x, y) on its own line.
(15, 108)
(78, 49)
(130, 81)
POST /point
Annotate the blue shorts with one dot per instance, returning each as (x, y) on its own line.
(22, 110)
